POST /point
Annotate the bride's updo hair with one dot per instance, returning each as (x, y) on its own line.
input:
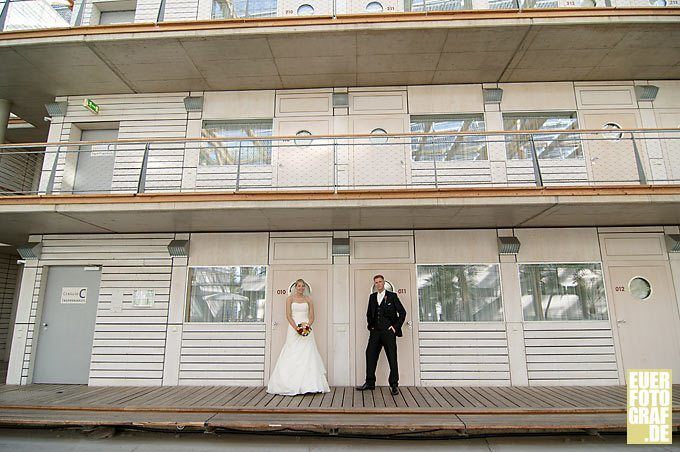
(304, 283)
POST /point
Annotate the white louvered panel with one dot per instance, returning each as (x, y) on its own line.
(570, 353)
(222, 354)
(17, 172)
(8, 287)
(466, 354)
(224, 177)
(463, 173)
(568, 171)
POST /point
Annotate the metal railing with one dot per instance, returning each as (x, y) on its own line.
(545, 158)
(28, 14)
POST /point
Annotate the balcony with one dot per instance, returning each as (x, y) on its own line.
(419, 48)
(453, 180)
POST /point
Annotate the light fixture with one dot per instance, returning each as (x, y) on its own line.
(56, 108)
(193, 103)
(673, 243)
(340, 247)
(30, 250)
(492, 95)
(508, 245)
(178, 248)
(646, 92)
(340, 100)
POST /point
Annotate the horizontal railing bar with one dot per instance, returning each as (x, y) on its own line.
(353, 137)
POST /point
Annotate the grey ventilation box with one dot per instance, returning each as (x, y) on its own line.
(193, 103)
(30, 250)
(340, 247)
(56, 108)
(178, 248)
(508, 245)
(673, 243)
(340, 100)
(646, 92)
(492, 95)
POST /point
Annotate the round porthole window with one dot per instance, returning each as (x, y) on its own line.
(640, 288)
(388, 286)
(374, 7)
(303, 133)
(305, 10)
(308, 289)
(377, 139)
(661, 3)
(614, 135)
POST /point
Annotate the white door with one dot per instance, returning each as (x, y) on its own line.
(611, 156)
(401, 282)
(94, 168)
(304, 163)
(379, 162)
(647, 317)
(283, 280)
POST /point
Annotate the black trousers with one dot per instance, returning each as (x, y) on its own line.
(376, 341)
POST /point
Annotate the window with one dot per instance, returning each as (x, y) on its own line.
(245, 152)
(113, 12)
(563, 292)
(553, 145)
(305, 10)
(439, 5)
(374, 7)
(459, 293)
(227, 294)
(448, 147)
(377, 139)
(229, 9)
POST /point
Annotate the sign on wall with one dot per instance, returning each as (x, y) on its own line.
(73, 295)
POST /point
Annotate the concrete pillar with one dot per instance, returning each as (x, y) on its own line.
(4, 118)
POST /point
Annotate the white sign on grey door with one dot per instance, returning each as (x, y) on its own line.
(73, 295)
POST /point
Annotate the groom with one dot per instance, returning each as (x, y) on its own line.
(385, 317)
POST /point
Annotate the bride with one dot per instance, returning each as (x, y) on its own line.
(299, 369)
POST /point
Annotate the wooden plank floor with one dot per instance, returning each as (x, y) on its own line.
(444, 410)
(478, 400)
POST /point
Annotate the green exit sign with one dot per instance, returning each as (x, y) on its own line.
(90, 105)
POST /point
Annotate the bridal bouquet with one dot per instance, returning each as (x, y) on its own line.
(303, 329)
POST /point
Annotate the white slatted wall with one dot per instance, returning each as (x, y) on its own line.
(223, 177)
(31, 326)
(175, 10)
(140, 116)
(568, 172)
(17, 172)
(459, 173)
(466, 354)
(570, 353)
(129, 343)
(8, 286)
(222, 354)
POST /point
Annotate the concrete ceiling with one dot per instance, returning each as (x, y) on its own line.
(519, 49)
(20, 220)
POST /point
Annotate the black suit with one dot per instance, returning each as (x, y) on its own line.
(379, 318)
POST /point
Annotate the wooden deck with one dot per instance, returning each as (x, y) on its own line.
(457, 411)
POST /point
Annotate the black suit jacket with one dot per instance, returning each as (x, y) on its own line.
(395, 311)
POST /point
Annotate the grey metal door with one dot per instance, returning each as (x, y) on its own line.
(66, 329)
(94, 170)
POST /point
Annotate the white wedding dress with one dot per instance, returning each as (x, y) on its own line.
(299, 369)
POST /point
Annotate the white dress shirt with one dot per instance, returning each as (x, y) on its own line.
(381, 297)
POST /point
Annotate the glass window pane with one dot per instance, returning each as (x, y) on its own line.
(227, 294)
(459, 293)
(438, 5)
(554, 145)
(246, 152)
(563, 292)
(229, 9)
(449, 147)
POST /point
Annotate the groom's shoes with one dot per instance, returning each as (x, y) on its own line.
(364, 387)
(394, 390)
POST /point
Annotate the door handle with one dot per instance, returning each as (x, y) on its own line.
(409, 324)
(275, 324)
(44, 325)
(620, 321)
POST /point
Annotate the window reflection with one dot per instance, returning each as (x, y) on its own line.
(554, 144)
(227, 294)
(245, 152)
(459, 293)
(448, 147)
(563, 292)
